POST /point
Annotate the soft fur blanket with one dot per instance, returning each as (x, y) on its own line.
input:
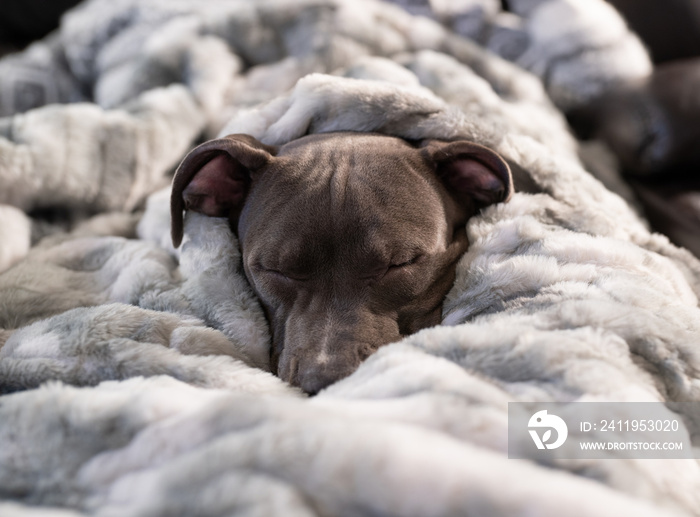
(135, 376)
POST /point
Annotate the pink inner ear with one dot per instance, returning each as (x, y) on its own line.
(217, 188)
(468, 176)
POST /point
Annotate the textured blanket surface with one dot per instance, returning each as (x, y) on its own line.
(135, 377)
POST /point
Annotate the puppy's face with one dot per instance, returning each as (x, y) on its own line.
(349, 240)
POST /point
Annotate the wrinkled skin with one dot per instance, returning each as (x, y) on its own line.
(349, 240)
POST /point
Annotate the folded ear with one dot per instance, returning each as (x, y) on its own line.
(473, 174)
(214, 179)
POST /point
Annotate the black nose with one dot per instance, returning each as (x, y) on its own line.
(314, 379)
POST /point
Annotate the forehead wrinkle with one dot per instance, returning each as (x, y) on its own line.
(345, 189)
(381, 200)
(293, 205)
(340, 166)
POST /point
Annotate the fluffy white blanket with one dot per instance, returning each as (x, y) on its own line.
(135, 375)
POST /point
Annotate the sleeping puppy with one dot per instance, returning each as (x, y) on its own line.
(350, 240)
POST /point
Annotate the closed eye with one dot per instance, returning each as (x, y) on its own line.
(407, 263)
(283, 275)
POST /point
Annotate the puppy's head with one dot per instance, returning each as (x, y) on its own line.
(350, 240)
